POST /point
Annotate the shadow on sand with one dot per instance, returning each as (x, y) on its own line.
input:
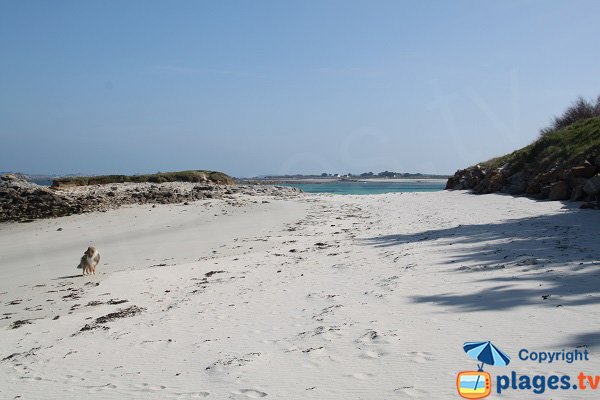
(68, 277)
(557, 255)
(590, 340)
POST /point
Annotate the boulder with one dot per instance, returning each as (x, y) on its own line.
(592, 185)
(496, 182)
(559, 191)
(544, 192)
(597, 161)
(575, 182)
(589, 204)
(517, 183)
(452, 182)
(582, 171)
(577, 194)
(9, 177)
(533, 188)
(473, 176)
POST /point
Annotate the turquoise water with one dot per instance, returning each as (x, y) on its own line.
(369, 187)
(42, 182)
(345, 187)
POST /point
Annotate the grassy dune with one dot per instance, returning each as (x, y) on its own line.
(563, 147)
(161, 177)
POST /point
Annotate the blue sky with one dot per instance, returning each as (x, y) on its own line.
(273, 87)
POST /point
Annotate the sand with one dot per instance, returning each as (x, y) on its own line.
(319, 297)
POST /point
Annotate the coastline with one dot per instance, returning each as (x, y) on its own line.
(23, 201)
(363, 296)
(274, 181)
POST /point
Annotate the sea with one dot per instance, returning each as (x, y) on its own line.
(42, 181)
(349, 187)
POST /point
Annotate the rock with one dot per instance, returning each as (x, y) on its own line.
(468, 178)
(582, 171)
(597, 161)
(589, 205)
(9, 177)
(505, 168)
(575, 182)
(533, 188)
(577, 194)
(496, 183)
(452, 184)
(559, 191)
(544, 192)
(517, 183)
(25, 201)
(592, 186)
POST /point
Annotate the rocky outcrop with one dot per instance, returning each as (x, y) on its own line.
(21, 200)
(592, 185)
(192, 176)
(579, 182)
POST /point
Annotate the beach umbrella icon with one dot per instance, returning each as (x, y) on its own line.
(487, 353)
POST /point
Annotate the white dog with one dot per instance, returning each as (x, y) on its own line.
(89, 261)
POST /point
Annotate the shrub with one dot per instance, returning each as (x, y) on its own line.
(581, 109)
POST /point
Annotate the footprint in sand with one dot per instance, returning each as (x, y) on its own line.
(30, 378)
(73, 379)
(371, 337)
(372, 354)
(195, 395)
(147, 387)
(316, 352)
(251, 393)
(421, 357)
(361, 376)
(100, 389)
(411, 391)
(331, 335)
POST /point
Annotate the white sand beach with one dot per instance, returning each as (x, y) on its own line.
(318, 297)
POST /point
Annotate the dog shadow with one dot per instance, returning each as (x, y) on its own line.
(67, 277)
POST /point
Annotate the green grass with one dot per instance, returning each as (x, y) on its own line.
(161, 177)
(563, 147)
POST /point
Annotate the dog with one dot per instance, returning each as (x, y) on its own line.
(89, 261)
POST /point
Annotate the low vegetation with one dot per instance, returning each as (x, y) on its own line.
(580, 110)
(565, 146)
(562, 164)
(161, 177)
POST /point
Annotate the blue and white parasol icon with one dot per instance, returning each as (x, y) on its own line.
(487, 353)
